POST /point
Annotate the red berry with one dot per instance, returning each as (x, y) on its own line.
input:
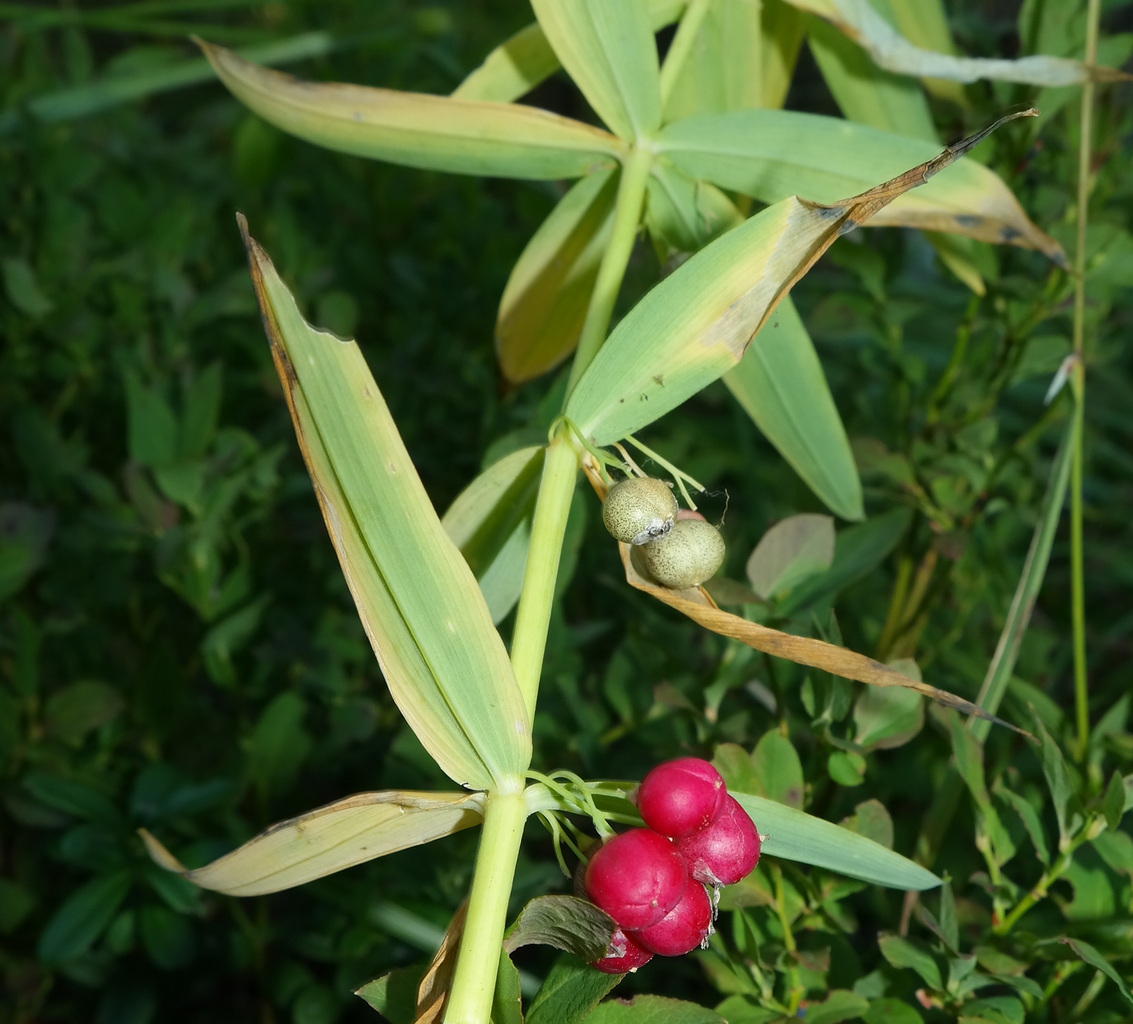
(725, 851)
(627, 955)
(683, 928)
(681, 796)
(636, 878)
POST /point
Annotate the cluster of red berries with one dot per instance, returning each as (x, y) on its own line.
(652, 880)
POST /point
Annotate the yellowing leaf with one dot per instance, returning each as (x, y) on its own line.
(444, 662)
(434, 132)
(548, 291)
(340, 835)
(698, 322)
(772, 154)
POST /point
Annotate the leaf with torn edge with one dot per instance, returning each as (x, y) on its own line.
(437, 133)
(443, 660)
(340, 835)
(697, 323)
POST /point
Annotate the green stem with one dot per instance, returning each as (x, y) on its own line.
(548, 526)
(474, 981)
(627, 217)
(1078, 381)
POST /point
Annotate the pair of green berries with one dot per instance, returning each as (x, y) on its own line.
(679, 552)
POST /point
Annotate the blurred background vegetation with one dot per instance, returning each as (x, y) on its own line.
(177, 647)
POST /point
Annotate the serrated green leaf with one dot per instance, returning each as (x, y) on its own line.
(445, 664)
(781, 385)
(794, 835)
(340, 835)
(490, 521)
(433, 132)
(609, 51)
(569, 992)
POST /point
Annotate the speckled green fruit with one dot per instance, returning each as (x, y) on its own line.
(639, 510)
(690, 553)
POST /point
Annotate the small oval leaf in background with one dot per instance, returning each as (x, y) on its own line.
(329, 839)
(548, 291)
(490, 521)
(777, 770)
(885, 719)
(445, 664)
(82, 919)
(792, 550)
(415, 129)
(610, 53)
(780, 384)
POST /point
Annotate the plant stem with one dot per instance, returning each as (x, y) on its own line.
(547, 528)
(474, 981)
(627, 217)
(1078, 382)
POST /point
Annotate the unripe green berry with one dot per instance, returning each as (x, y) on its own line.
(690, 553)
(639, 510)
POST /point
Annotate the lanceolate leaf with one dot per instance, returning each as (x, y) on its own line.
(548, 291)
(780, 384)
(434, 132)
(442, 658)
(609, 51)
(698, 322)
(328, 839)
(795, 835)
(490, 521)
(771, 154)
(859, 20)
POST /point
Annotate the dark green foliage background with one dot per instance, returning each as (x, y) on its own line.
(177, 647)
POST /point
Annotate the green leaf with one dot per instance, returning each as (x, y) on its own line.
(151, 425)
(794, 835)
(441, 656)
(653, 1010)
(772, 154)
(1058, 782)
(886, 719)
(903, 953)
(569, 992)
(994, 1009)
(891, 1011)
(1113, 801)
(549, 288)
(490, 521)
(839, 1005)
(394, 995)
(858, 550)
(780, 384)
(568, 923)
(776, 766)
(872, 820)
(23, 289)
(340, 835)
(863, 91)
(433, 132)
(794, 548)
(507, 1005)
(83, 917)
(609, 51)
(682, 214)
(1029, 815)
(743, 1009)
(167, 937)
(1095, 959)
(80, 708)
(279, 744)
